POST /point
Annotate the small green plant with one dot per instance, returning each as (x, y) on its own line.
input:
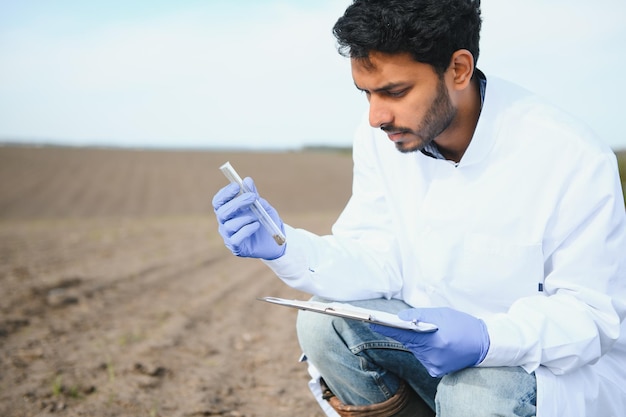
(57, 386)
(59, 389)
(74, 392)
(110, 370)
(130, 338)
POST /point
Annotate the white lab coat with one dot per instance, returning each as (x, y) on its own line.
(535, 202)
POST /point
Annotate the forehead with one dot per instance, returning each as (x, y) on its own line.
(380, 68)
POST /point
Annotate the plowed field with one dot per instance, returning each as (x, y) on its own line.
(118, 297)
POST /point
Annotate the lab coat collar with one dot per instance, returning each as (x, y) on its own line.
(483, 139)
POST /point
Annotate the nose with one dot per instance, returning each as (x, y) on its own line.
(379, 113)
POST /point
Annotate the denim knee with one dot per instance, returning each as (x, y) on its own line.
(315, 335)
(480, 392)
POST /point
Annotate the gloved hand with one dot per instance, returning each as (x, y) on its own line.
(240, 228)
(460, 342)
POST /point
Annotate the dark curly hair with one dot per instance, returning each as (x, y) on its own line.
(430, 30)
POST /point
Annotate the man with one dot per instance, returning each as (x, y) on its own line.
(477, 207)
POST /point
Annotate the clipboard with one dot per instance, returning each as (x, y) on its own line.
(349, 311)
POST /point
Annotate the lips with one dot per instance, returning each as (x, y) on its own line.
(395, 136)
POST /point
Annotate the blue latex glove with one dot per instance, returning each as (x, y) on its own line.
(240, 228)
(460, 342)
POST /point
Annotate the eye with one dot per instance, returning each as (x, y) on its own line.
(397, 94)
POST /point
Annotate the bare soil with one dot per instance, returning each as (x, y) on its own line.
(118, 297)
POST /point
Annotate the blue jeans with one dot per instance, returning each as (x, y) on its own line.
(362, 367)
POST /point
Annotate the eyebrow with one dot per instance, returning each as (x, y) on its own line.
(385, 88)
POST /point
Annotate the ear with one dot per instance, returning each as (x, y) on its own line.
(462, 68)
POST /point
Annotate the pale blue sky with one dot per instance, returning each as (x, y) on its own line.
(264, 74)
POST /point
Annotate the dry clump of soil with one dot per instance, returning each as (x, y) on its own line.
(119, 298)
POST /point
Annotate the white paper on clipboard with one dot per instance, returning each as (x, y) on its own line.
(349, 311)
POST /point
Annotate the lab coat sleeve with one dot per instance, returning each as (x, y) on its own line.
(360, 260)
(577, 318)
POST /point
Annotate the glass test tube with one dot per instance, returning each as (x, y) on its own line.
(258, 210)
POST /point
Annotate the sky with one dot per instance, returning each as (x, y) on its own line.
(264, 74)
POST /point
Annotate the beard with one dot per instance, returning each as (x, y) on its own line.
(438, 118)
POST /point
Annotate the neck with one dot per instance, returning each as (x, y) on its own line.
(455, 140)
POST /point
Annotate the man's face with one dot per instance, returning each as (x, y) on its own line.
(407, 99)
